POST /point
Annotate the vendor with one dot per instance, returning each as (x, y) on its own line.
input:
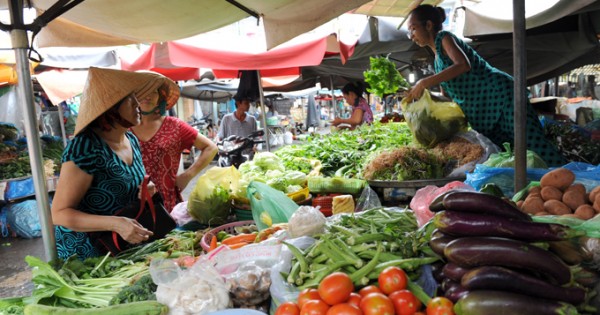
(102, 166)
(485, 94)
(361, 111)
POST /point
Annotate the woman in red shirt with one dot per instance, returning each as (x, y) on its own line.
(163, 139)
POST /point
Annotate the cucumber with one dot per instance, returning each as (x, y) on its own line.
(472, 201)
(475, 224)
(133, 308)
(506, 303)
(503, 279)
(494, 251)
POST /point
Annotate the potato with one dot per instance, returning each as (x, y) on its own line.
(593, 193)
(560, 178)
(585, 212)
(577, 187)
(520, 204)
(556, 207)
(596, 204)
(542, 213)
(551, 193)
(534, 189)
(573, 198)
(533, 205)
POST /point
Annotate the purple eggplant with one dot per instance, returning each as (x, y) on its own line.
(495, 251)
(454, 271)
(504, 303)
(455, 292)
(503, 279)
(439, 241)
(475, 224)
(472, 201)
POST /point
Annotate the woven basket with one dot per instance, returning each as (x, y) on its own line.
(229, 228)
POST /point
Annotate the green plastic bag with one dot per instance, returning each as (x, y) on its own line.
(432, 122)
(507, 159)
(269, 205)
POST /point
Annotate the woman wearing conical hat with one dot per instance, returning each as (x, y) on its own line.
(102, 165)
(163, 139)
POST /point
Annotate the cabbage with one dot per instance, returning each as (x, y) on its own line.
(295, 177)
(272, 174)
(212, 210)
(278, 183)
(507, 159)
(268, 161)
(292, 189)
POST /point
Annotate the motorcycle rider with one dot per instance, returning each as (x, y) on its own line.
(239, 123)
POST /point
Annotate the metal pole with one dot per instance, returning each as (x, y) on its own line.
(20, 44)
(520, 94)
(333, 103)
(556, 86)
(264, 113)
(61, 118)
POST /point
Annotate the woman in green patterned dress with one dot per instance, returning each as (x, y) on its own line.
(485, 94)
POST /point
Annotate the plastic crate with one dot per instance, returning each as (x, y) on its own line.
(229, 228)
(335, 185)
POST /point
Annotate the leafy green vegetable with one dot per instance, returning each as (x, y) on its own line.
(11, 306)
(383, 77)
(405, 163)
(507, 159)
(212, 210)
(142, 290)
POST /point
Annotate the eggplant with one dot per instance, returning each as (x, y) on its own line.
(455, 292)
(436, 270)
(472, 201)
(503, 279)
(439, 241)
(489, 302)
(495, 251)
(454, 271)
(437, 204)
(475, 224)
(447, 283)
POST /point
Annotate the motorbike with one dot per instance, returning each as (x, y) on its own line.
(231, 149)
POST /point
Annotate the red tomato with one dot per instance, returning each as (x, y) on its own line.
(369, 289)
(377, 304)
(336, 288)
(405, 303)
(354, 299)
(288, 308)
(440, 306)
(344, 309)
(314, 307)
(307, 295)
(392, 279)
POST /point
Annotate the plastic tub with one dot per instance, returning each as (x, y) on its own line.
(229, 228)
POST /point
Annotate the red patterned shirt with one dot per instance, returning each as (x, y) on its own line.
(161, 156)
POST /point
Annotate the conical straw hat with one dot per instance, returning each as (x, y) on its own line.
(168, 90)
(105, 87)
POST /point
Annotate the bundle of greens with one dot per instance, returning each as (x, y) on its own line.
(405, 163)
(383, 77)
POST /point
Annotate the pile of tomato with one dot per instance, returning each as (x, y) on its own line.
(335, 296)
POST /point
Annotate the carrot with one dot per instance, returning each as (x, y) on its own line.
(249, 238)
(238, 245)
(213, 243)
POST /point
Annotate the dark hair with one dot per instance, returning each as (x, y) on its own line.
(427, 12)
(240, 98)
(357, 87)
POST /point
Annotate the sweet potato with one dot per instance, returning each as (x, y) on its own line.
(560, 178)
(533, 205)
(585, 212)
(596, 204)
(556, 207)
(574, 196)
(551, 193)
(593, 193)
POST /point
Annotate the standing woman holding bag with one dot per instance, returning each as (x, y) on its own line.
(102, 165)
(484, 93)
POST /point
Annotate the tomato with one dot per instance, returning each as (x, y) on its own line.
(392, 279)
(354, 299)
(336, 288)
(344, 309)
(405, 303)
(440, 306)
(307, 295)
(369, 289)
(314, 307)
(288, 308)
(376, 304)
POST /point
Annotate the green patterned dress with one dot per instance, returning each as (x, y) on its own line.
(486, 96)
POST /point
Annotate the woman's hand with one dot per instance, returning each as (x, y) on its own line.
(416, 92)
(132, 231)
(336, 121)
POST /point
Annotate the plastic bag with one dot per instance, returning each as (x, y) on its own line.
(23, 219)
(210, 201)
(281, 290)
(269, 205)
(507, 159)
(431, 121)
(424, 196)
(488, 146)
(368, 200)
(586, 174)
(180, 214)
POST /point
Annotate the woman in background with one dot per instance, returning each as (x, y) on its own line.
(361, 111)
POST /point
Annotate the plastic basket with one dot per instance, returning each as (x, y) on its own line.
(229, 228)
(335, 185)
